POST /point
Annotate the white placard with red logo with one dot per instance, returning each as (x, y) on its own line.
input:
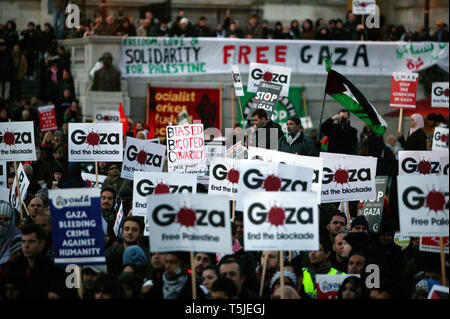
(404, 90)
(17, 141)
(91, 179)
(185, 146)
(348, 177)
(363, 7)
(3, 174)
(237, 81)
(433, 244)
(440, 139)
(444, 165)
(419, 162)
(438, 292)
(107, 116)
(23, 187)
(189, 222)
(91, 142)
(328, 285)
(316, 163)
(423, 205)
(224, 177)
(274, 222)
(154, 183)
(439, 94)
(47, 118)
(269, 73)
(142, 155)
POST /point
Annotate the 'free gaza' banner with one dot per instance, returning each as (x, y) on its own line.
(151, 56)
(166, 103)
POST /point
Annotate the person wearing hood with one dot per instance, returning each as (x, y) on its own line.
(75, 180)
(416, 139)
(135, 259)
(295, 141)
(10, 236)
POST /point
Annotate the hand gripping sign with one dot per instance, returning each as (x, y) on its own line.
(348, 177)
(17, 141)
(274, 222)
(423, 205)
(95, 142)
(142, 155)
(189, 222)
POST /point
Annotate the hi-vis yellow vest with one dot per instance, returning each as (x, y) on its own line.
(309, 286)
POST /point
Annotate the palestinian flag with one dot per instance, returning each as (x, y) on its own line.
(346, 94)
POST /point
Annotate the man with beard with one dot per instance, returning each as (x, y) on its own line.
(107, 200)
(295, 141)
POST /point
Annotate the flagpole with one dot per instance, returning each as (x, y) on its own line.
(232, 106)
(321, 114)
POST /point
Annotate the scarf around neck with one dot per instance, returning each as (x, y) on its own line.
(291, 139)
(172, 288)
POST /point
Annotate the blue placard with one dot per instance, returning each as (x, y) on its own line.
(78, 236)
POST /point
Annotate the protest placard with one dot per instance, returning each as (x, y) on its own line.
(3, 174)
(91, 142)
(78, 236)
(17, 141)
(419, 162)
(328, 285)
(444, 165)
(224, 177)
(106, 116)
(273, 74)
(274, 222)
(423, 205)
(237, 80)
(348, 177)
(438, 292)
(47, 118)
(213, 150)
(401, 240)
(237, 151)
(404, 90)
(440, 139)
(316, 163)
(372, 210)
(363, 7)
(23, 188)
(185, 145)
(189, 222)
(142, 155)
(433, 244)
(91, 179)
(153, 183)
(439, 94)
(266, 98)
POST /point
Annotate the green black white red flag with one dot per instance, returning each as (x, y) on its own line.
(348, 95)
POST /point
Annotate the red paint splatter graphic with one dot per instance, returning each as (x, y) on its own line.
(233, 176)
(8, 138)
(161, 188)
(435, 201)
(424, 167)
(272, 183)
(341, 176)
(141, 157)
(276, 216)
(93, 139)
(363, 4)
(106, 118)
(186, 217)
(444, 138)
(267, 76)
(446, 92)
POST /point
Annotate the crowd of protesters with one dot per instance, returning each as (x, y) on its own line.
(27, 270)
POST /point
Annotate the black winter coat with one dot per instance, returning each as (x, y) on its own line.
(417, 141)
(340, 139)
(303, 145)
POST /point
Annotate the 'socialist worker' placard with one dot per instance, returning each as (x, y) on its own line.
(78, 236)
(95, 142)
(348, 177)
(423, 205)
(189, 222)
(17, 141)
(316, 163)
(420, 162)
(185, 145)
(142, 155)
(274, 222)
